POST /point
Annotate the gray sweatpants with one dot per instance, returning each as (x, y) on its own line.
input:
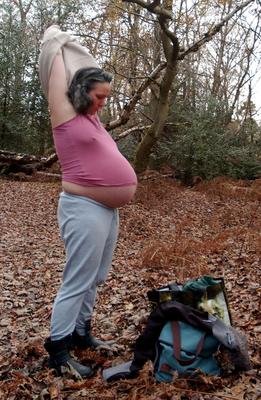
(89, 231)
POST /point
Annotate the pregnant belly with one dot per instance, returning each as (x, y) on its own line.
(113, 197)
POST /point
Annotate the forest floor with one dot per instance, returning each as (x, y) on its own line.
(168, 233)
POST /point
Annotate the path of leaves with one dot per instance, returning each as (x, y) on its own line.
(168, 233)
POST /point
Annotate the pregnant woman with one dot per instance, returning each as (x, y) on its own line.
(96, 180)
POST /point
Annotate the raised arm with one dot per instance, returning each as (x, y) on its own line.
(61, 109)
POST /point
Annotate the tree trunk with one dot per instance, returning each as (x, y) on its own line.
(154, 132)
(171, 50)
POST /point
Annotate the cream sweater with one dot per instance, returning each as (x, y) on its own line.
(75, 56)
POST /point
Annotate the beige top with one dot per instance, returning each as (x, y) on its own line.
(75, 56)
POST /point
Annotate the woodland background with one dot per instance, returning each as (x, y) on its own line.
(184, 77)
(182, 103)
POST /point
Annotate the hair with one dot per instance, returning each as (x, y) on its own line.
(83, 82)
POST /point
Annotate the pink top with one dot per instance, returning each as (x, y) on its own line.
(89, 156)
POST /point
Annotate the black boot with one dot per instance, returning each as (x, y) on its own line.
(61, 360)
(89, 341)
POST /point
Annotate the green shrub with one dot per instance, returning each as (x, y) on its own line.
(205, 147)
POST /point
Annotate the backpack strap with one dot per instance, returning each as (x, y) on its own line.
(177, 345)
(145, 345)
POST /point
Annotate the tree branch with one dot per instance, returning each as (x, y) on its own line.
(212, 31)
(128, 107)
(138, 128)
(171, 35)
(169, 40)
(153, 7)
(125, 114)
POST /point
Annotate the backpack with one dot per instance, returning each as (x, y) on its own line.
(181, 337)
(182, 347)
(186, 349)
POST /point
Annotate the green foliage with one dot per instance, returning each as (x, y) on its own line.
(24, 120)
(244, 162)
(128, 147)
(204, 147)
(24, 117)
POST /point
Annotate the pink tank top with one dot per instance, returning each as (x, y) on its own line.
(89, 156)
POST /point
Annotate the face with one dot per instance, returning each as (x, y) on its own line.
(99, 95)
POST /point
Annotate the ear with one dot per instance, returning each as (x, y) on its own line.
(81, 101)
(76, 100)
(88, 100)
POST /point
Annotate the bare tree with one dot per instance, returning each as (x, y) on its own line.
(171, 47)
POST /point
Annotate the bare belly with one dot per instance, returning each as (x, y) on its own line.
(109, 196)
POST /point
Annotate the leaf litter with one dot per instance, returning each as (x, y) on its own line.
(167, 233)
